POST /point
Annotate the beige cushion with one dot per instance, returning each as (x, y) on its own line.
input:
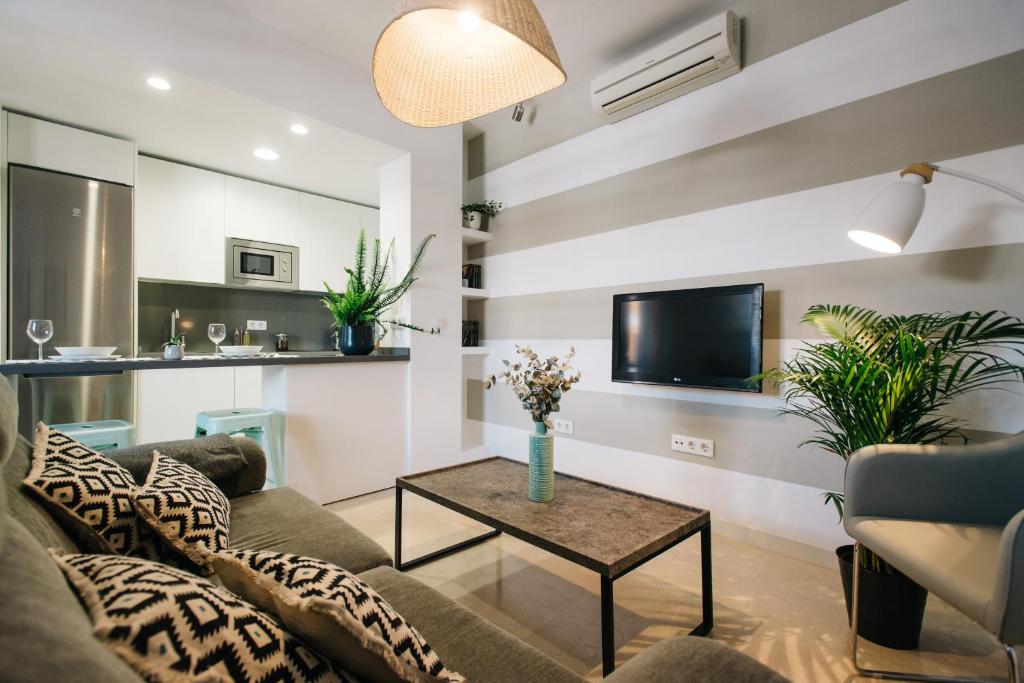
(957, 562)
(184, 508)
(171, 626)
(334, 611)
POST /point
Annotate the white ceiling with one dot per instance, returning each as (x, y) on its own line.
(70, 79)
(244, 70)
(590, 35)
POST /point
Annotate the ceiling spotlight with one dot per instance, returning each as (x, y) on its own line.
(265, 153)
(158, 83)
(468, 21)
(299, 129)
(517, 112)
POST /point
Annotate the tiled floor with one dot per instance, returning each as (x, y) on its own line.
(784, 612)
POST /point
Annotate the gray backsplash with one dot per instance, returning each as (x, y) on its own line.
(302, 316)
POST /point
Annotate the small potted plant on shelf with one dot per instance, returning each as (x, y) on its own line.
(889, 379)
(474, 215)
(539, 384)
(359, 310)
(174, 348)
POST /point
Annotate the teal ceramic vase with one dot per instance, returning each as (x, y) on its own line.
(542, 464)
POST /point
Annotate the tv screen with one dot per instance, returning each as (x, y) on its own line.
(708, 338)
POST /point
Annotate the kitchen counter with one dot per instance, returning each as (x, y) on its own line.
(62, 368)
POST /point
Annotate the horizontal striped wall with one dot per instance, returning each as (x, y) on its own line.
(676, 197)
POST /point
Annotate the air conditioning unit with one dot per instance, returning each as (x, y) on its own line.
(692, 59)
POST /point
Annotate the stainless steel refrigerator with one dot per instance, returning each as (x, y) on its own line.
(70, 260)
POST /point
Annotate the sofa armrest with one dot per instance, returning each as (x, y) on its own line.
(235, 464)
(690, 657)
(974, 484)
(1005, 614)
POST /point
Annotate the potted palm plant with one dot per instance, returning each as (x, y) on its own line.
(888, 379)
(359, 311)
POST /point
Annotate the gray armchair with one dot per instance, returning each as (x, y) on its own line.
(952, 519)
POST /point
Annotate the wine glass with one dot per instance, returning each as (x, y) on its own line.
(216, 332)
(40, 331)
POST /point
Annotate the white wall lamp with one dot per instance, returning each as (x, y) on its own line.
(887, 223)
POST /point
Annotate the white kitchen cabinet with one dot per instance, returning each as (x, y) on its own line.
(179, 222)
(168, 400)
(328, 230)
(34, 142)
(256, 211)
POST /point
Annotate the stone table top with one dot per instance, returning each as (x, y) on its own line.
(603, 528)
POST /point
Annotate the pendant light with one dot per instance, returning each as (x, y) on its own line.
(441, 62)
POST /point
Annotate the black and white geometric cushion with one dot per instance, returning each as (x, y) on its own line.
(185, 508)
(88, 490)
(172, 626)
(334, 611)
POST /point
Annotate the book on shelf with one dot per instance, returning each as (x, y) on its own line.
(471, 333)
(472, 275)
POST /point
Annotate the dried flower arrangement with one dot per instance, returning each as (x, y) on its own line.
(538, 383)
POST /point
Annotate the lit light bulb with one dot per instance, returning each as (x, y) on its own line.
(468, 21)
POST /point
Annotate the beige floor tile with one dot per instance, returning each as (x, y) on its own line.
(782, 611)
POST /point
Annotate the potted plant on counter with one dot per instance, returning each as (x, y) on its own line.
(473, 215)
(883, 379)
(359, 311)
(174, 348)
(539, 384)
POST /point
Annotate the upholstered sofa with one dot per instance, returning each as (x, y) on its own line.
(47, 636)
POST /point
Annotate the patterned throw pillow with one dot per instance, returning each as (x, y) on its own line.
(185, 508)
(172, 626)
(91, 492)
(336, 612)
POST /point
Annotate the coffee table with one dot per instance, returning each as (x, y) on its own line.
(606, 529)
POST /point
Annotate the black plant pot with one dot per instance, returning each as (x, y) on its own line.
(355, 340)
(891, 605)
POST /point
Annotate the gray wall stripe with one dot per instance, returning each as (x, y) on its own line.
(934, 119)
(964, 279)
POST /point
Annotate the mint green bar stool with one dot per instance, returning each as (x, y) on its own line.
(266, 427)
(100, 435)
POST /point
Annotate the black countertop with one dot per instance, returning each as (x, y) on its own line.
(61, 368)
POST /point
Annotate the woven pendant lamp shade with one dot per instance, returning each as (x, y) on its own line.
(430, 70)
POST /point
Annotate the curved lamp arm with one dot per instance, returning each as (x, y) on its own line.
(1019, 196)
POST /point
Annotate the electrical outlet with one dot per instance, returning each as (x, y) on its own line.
(256, 325)
(693, 445)
(562, 426)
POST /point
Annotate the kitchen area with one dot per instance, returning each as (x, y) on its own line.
(113, 253)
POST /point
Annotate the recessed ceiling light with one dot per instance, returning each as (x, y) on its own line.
(158, 83)
(265, 153)
(468, 21)
(299, 129)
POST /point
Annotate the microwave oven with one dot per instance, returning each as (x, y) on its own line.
(261, 264)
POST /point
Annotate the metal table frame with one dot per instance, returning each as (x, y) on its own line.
(607, 578)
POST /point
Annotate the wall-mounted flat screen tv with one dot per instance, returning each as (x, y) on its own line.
(709, 338)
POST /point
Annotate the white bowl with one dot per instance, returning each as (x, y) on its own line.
(76, 351)
(240, 350)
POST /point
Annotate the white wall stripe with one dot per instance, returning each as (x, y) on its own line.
(879, 53)
(781, 508)
(798, 229)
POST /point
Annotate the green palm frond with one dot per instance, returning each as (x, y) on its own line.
(890, 378)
